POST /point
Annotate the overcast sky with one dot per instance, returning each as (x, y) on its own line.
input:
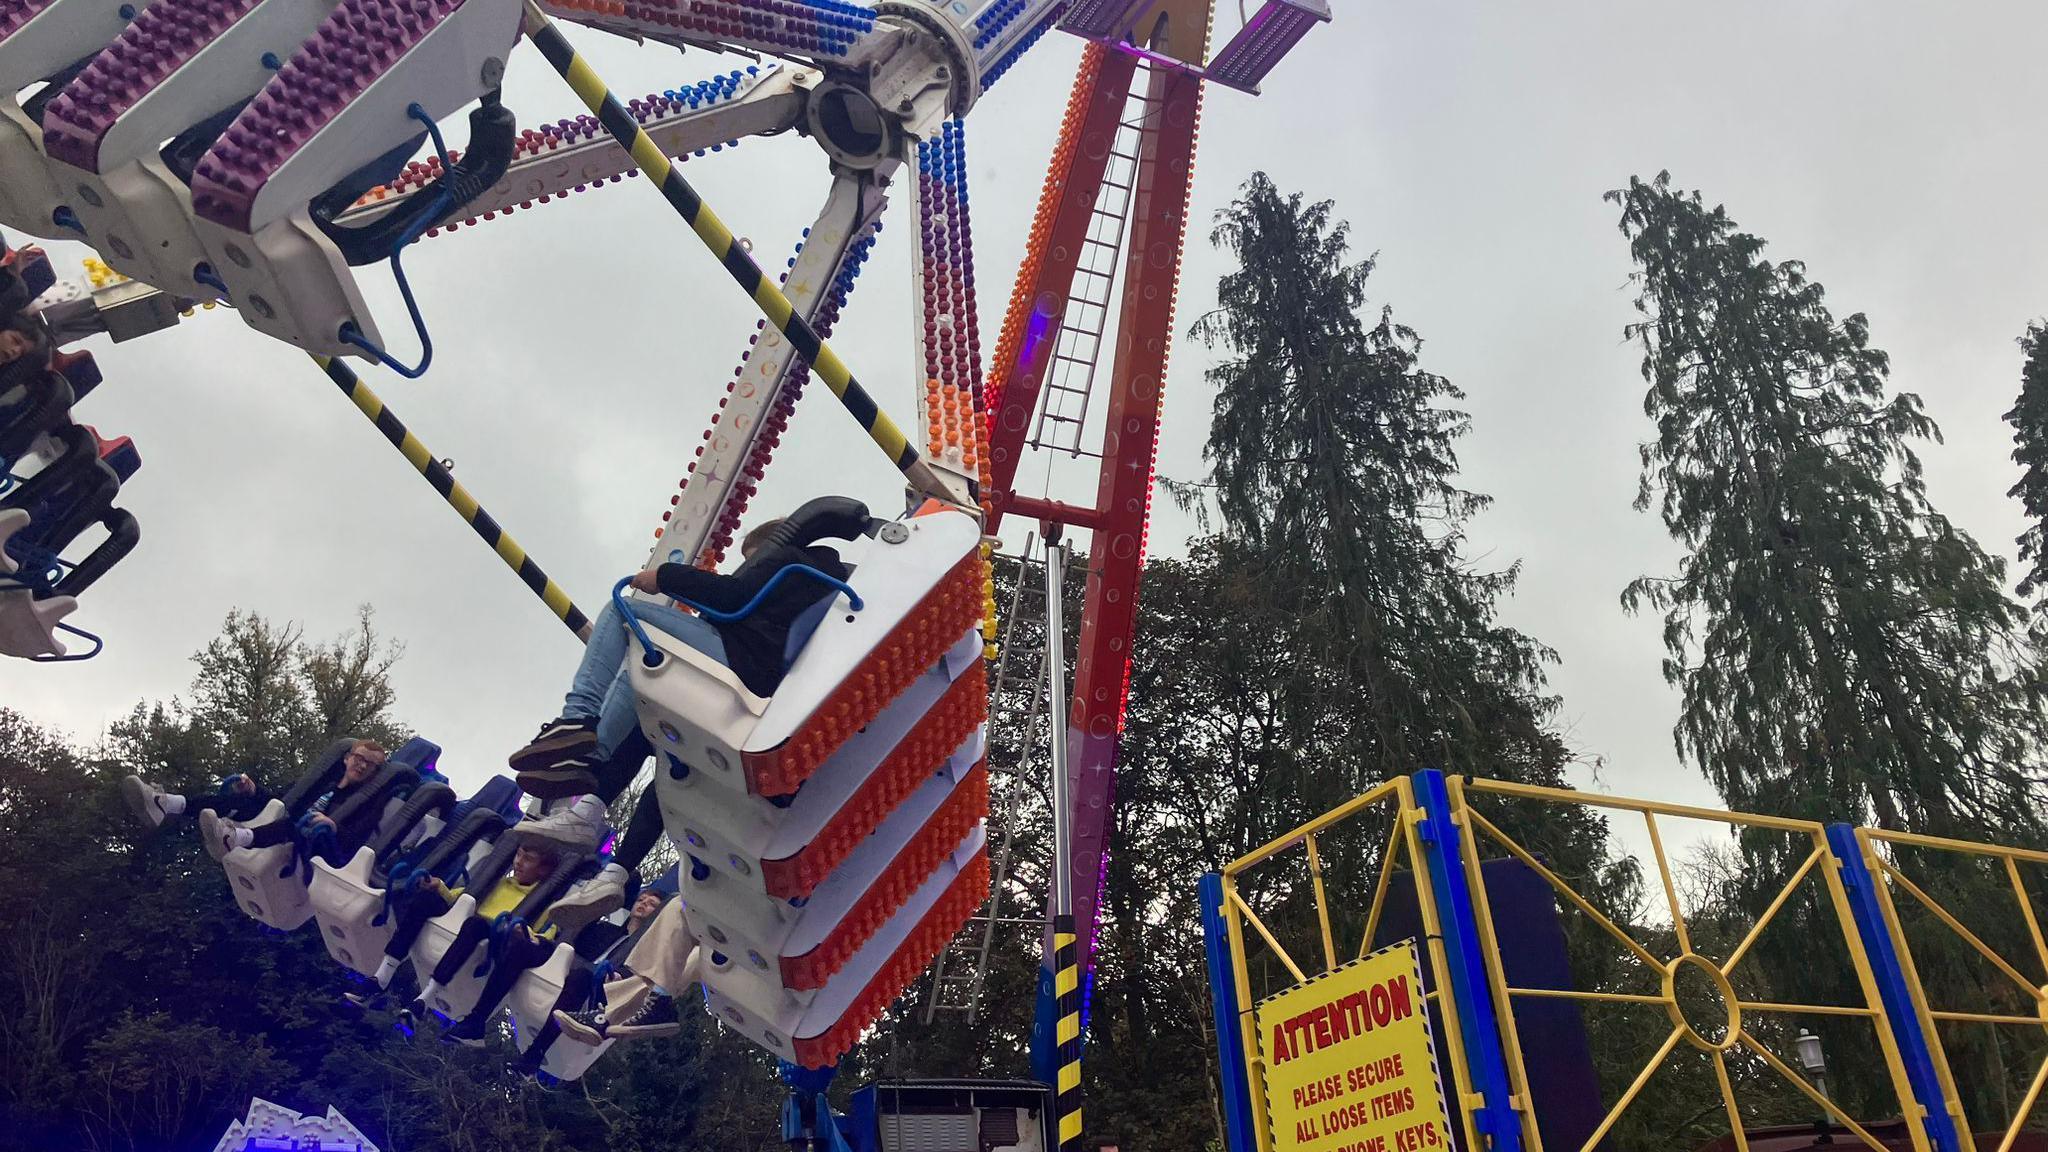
(1895, 145)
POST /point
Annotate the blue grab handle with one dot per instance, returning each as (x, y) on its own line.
(652, 658)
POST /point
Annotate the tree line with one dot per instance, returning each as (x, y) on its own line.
(1840, 651)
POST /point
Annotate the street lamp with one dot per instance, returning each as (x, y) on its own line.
(1815, 1062)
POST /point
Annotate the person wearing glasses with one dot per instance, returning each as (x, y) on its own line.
(223, 814)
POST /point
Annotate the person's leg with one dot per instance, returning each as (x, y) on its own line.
(415, 909)
(475, 930)
(522, 954)
(230, 804)
(608, 648)
(576, 989)
(643, 831)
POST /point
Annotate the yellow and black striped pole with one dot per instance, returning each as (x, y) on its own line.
(1066, 985)
(654, 164)
(456, 495)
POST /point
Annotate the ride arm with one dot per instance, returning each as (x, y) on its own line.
(557, 159)
(828, 31)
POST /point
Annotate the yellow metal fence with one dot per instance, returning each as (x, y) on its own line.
(1282, 915)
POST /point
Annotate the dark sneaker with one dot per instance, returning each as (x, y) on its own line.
(468, 1031)
(656, 1017)
(585, 1027)
(557, 740)
(375, 1001)
(572, 776)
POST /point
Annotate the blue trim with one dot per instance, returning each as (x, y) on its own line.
(649, 655)
(652, 658)
(716, 617)
(1237, 1100)
(445, 200)
(1485, 1064)
(1892, 987)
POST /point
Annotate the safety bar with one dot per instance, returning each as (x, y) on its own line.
(653, 658)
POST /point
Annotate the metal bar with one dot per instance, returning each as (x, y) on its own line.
(1236, 1074)
(2019, 891)
(1634, 1089)
(1918, 840)
(1261, 1130)
(1053, 511)
(1379, 890)
(1377, 794)
(748, 275)
(2026, 1109)
(1670, 889)
(1601, 997)
(1566, 796)
(1880, 963)
(1315, 871)
(437, 476)
(1800, 1083)
(1600, 918)
(1983, 1018)
(1498, 1115)
(763, 393)
(1956, 926)
(1757, 930)
(1496, 968)
(1735, 1123)
(1066, 944)
(1808, 1009)
(1056, 689)
(1293, 969)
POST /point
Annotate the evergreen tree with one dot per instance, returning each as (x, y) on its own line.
(2029, 420)
(1844, 652)
(1333, 461)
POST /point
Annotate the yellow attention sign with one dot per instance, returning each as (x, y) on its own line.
(1349, 1064)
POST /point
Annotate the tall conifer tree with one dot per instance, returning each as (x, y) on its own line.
(1333, 461)
(2029, 420)
(1844, 651)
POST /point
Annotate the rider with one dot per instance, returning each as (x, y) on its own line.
(602, 943)
(598, 710)
(240, 798)
(641, 1004)
(361, 761)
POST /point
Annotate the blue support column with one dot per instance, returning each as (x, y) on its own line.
(1892, 987)
(1485, 1063)
(1237, 1103)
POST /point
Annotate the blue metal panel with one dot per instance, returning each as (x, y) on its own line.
(1892, 987)
(1237, 1102)
(1485, 1065)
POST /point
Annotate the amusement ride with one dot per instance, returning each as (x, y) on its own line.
(258, 154)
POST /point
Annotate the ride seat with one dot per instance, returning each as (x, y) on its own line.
(459, 996)
(350, 902)
(270, 883)
(816, 1031)
(533, 1000)
(920, 586)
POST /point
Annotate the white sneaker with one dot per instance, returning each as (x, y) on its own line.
(597, 897)
(573, 827)
(217, 834)
(144, 799)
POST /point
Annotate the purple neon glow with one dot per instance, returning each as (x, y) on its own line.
(1036, 330)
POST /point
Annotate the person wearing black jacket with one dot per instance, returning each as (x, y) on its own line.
(357, 766)
(597, 715)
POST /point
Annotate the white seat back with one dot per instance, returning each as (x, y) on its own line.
(265, 886)
(533, 1000)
